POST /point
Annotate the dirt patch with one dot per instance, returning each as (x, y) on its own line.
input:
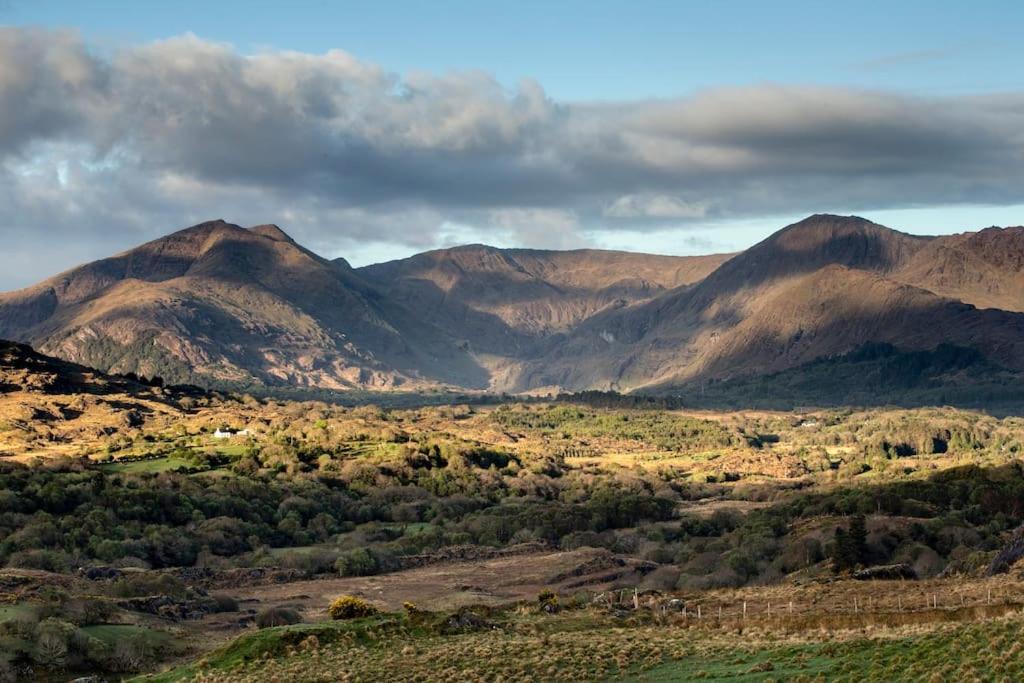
(493, 581)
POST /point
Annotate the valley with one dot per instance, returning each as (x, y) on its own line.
(148, 527)
(465, 342)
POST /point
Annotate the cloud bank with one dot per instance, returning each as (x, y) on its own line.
(103, 150)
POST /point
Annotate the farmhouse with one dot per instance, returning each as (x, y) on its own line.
(228, 432)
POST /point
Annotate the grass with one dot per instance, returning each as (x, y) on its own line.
(233, 451)
(589, 645)
(12, 612)
(989, 651)
(147, 466)
(111, 633)
(254, 649)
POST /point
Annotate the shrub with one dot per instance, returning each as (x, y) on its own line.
(224, 603)
(548, 601)
(350, 607)
(358, 562)
(277, 616)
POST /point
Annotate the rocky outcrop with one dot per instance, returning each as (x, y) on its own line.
(1010, 554)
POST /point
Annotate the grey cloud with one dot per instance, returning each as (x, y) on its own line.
(342, 151)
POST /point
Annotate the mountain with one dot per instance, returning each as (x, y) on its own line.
(985, 269)
(818, 288)
(505, 305)
(218, 304)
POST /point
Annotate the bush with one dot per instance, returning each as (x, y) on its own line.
(548, 601)
(224, 603)
(351, 607)
(358, 562)
(277, 616)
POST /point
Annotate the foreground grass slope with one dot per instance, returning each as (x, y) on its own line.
(586, 645)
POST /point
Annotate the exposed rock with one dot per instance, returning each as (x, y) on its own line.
(171, 608)
(100, 573)
(885, 572)
(1011, 553)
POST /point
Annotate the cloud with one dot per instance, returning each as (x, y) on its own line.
(104, 150)
(654, 206)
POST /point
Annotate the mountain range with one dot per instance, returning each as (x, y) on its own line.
(217, 304)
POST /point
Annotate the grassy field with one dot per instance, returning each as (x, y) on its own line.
(583, 645)
(112, 633)
(147, 466)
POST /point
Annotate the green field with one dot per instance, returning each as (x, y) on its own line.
(11, 612)
(112, 633)
(146, 466)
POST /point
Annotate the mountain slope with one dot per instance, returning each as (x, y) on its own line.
(218, 303)
(821, 287)
(501, 301)
(985, 269)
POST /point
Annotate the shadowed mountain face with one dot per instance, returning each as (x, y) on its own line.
(505, 301)
(220, 304)
(818, 288)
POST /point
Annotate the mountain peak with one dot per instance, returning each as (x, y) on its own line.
(848, 240)
(831, 224)
(272, 231)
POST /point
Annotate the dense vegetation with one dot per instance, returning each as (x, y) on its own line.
(708, 501)
(357, 504)
(875, 374)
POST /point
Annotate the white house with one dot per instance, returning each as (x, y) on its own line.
(228, 433)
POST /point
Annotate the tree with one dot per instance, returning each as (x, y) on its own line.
(851, 547)
(859, 538)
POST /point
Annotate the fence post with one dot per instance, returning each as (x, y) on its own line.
(744, 609)
(698, 612)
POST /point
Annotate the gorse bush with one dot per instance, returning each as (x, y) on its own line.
(351, 607)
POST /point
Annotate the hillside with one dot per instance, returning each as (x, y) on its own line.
(533, 292)
(505, 305)
(220, 305)
(985, 269)
(52, 407)
(819, 288)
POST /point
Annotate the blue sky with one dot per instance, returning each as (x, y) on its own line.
(662, 126)
(600, 49)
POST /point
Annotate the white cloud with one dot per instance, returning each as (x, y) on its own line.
(655, 206)
(103, 151)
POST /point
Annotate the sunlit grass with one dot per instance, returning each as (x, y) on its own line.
(586, 645)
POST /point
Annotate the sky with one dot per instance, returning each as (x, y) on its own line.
(374, 130)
